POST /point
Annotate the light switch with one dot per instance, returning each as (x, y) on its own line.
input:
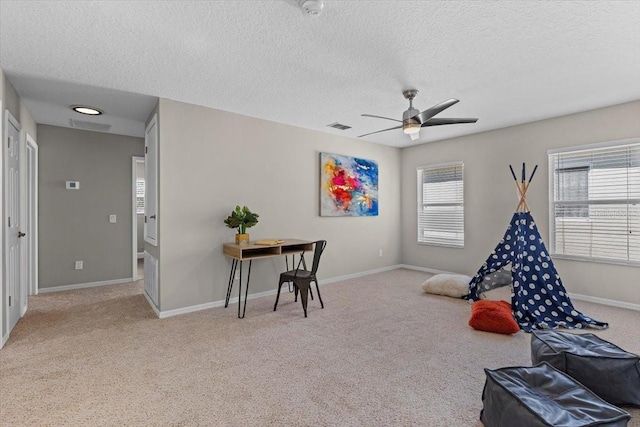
(112, 219)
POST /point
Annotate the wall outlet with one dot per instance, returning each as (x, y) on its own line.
(379, 252)
(237, 275)
(112, 219)
(79, 265)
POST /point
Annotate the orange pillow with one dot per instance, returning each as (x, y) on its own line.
(493, 316)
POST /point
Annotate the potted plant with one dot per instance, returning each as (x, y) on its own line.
(241, 219)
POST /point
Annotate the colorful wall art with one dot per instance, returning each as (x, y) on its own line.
(348, 186)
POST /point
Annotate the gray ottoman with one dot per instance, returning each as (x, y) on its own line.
(543, 396)
(609, 371)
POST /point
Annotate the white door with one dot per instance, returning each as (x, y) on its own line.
(13, 230)
(151, 182)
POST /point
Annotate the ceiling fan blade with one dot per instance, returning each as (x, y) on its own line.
(383, 130)
(380, 117)
(437, 122)
(428, 113)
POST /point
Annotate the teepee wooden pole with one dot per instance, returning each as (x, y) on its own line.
(522, 203)
(518, 187)
(523, 187)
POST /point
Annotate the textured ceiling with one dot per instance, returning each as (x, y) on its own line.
(508, 62)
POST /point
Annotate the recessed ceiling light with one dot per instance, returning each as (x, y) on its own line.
(83, 109)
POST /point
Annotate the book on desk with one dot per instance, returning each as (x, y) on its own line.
(269, 242)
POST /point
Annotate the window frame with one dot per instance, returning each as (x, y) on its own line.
(420, 203)
(551, 154)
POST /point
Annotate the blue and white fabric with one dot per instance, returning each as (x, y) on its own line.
(538, 298)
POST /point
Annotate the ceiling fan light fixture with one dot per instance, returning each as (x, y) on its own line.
(411, 128)
(83, 109)
(413, 120)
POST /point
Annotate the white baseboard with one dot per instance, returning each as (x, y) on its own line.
(4, 340)
(220, 303)
(140, 255)
(361, 274)
(605, 301)
(208, 305)
(214, 304)
(426, 270)
(580, 297)
(84, 285)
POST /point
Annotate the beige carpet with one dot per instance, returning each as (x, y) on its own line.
(381, 353)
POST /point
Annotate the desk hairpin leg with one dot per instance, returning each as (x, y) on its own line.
(246, 291)
(234, 264)
(286, 263)
(232, 275)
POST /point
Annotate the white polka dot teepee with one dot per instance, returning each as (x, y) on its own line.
(538, 299)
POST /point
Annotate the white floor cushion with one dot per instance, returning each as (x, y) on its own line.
(451, 285)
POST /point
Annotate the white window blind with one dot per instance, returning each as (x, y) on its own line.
(140, 196)
(441, 205)
(595, 203)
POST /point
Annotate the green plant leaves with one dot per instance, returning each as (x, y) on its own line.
(241, 218)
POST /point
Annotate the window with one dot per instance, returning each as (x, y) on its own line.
(441, 205)
(573, 185)
(595, 202)
(140, 196)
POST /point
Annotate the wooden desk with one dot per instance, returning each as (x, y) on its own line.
(240, 253)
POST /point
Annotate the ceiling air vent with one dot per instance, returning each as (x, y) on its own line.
(339, 126)
(81, 124)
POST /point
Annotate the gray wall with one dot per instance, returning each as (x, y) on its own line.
(212, 160)
(490, 194)
(74, 224)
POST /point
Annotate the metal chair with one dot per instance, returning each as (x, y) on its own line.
(302, 278)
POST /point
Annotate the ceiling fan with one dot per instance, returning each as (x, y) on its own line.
(413, 120)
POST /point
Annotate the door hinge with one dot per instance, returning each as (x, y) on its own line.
(146, 150)
(9, 300)
(9, 222)
(145, 219)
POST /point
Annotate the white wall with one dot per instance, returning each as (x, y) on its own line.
(491, 198)
(212, 160)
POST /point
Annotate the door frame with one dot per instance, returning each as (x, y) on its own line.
(31, 215)
(134, 218)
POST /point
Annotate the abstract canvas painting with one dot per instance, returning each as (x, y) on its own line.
(348, 186)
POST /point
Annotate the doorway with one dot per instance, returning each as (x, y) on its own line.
(138, 203)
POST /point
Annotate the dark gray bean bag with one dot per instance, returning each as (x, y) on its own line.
(543, 396)
(606, 369)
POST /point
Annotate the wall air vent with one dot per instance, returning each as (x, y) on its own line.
(81, 124)
(339, 126)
